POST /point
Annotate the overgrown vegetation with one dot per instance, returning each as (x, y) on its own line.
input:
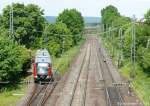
(13, 93)
(120, 48)
(12, 59)
(62, 64)
(10, 95)
(31, 31)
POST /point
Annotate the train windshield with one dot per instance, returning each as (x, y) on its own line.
(42, 68)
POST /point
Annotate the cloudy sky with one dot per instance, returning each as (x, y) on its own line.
(87, 7)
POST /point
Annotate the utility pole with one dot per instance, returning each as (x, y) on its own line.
(11, 28)
(133, 49)
(148, 42)
(112, 39)
(103, 28)
(120, 55)
(45, 37)
(63, 45)
(109, 39)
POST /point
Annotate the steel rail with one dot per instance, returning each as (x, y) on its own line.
(106, 89)
(105, 86)
(48, 91)
(35, 94)
(79, 75)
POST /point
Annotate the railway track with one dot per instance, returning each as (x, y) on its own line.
(38, 90)
(81, 85)
(78, 92)
(70, 88)
(40, 93)
(47, 94)
(62, 93)
(95, 92)
(112, 93)
(90, 82)
(85, 90)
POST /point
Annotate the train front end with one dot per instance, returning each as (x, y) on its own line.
(42, 67)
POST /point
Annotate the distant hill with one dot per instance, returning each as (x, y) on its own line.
(51, 19)
(92, 20)
(87, 20)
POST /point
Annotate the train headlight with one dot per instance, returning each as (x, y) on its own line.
(48, 77)
(35, 76)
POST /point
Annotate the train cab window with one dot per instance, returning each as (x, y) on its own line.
(42, 68)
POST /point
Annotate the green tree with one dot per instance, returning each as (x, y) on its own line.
(0, 20)
(122, 20)
(147, 17)
(142, 47)
(28, 22)
(109, 14)
(74, 21)
(143, 51)
(57, 37)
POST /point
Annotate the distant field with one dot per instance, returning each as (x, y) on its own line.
(87, 20)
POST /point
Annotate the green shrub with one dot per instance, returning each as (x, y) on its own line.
(12, 58)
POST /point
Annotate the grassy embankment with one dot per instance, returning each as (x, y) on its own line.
(62, 64)
(9, 96)
(141, 83)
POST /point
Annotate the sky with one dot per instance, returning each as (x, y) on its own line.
(87, 7)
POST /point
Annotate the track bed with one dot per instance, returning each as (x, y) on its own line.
(89, 82)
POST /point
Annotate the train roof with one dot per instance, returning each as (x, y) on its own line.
(42, 56)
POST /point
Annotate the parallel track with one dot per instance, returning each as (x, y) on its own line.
(37, 92)
(47, 94)
(81, 85)
(95, 92)
(113, 95)
(70, 88)
(40, 94)
(75, 90)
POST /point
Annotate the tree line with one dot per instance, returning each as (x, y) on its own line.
(113, 21)
(32, 31)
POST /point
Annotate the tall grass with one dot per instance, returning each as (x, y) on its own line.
(62, 64)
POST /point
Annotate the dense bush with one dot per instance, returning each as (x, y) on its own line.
(32, 31)
(12, 58)
(142, 46)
